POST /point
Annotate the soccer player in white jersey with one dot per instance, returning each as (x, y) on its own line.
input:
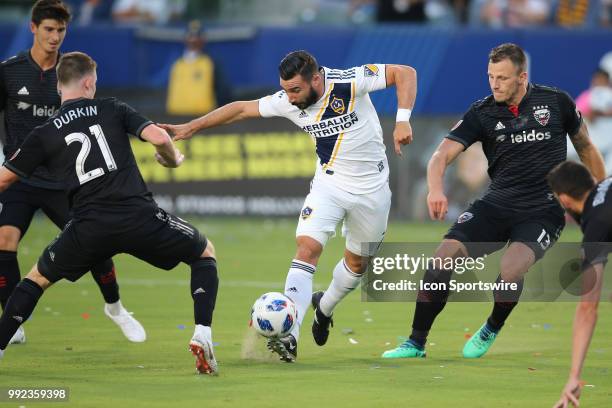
(351, 179)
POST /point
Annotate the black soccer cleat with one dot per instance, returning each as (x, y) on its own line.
(286, 348)
(321, 323)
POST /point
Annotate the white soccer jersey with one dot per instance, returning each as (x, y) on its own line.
(345, 127)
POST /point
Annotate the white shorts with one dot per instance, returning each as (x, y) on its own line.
(364, 215)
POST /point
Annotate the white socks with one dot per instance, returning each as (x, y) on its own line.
(298, 287)
(343, 283)
(202, 332)
(114, 308)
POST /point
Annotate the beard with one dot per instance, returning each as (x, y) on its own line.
(311, 99)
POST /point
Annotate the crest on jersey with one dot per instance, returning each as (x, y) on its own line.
(465, 217)
(337, 105)
(542, 115)
(370, 70)
(306, 212)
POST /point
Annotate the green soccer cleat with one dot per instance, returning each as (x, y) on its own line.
(405, 350)
(479, 343)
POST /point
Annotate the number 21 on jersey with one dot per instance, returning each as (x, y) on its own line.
(82, 138)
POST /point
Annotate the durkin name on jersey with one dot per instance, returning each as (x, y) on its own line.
(72, 114)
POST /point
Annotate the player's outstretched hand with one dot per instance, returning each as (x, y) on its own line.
(179, 158)
(402, 135)
(178, 132)
(570, 394)
(438, 205)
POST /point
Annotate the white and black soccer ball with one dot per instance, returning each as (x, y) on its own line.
(273, 315)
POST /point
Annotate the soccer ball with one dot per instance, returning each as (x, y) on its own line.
(273, 315)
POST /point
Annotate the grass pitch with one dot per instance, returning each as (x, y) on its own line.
(72, 344)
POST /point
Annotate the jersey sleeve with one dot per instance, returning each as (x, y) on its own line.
(595, 245)
(28, 157)
(468, 130)
(369, 78)
(570, 116)
(133, 121)
(273, 105)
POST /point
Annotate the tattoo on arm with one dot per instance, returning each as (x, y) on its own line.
(581, 139)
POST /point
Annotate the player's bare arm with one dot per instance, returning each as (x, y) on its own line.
(444, 155)
(229, 113)
(7, 178)
(588, 153)
(405, 80)
(584, 326)
(166, 153)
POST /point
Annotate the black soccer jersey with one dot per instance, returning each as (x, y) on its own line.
(86, 145)
(28, 97)
(596, 223)
(521, 149)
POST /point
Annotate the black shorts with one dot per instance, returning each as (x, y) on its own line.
(20, 201)
(161, 239)
(485, 228)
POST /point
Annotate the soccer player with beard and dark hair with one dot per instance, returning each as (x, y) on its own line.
(590, 203)
(523, 128)
(86, 144)
(351, 180)
(28, 97)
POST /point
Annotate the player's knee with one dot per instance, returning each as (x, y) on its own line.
(356, 263)
(35, 276)
(9, 238)
(209, 251)
(450, 248)
(308, 250)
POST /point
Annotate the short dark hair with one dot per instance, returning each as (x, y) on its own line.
(74, 66)
(50, 9)
(298, 63)
(512, 52)
(571, 178)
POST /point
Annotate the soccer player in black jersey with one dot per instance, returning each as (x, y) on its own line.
(86, 144)
(523, 129)
(591, 205)
(28, 97)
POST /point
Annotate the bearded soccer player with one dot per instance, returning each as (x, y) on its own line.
(523, 128)
(351, 179)
(28, 97)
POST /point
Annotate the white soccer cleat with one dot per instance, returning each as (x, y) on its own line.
(131, 328)
(18, 337)
(202, 349)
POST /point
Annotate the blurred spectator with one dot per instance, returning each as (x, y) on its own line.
(515, 13)
(401, 11)
(94, 11)
(606, 13)
(147, 11)
(196, 83)
(578, 13)
(591, 99)
(595, 104)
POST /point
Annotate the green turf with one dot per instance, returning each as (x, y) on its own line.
(526, 367)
